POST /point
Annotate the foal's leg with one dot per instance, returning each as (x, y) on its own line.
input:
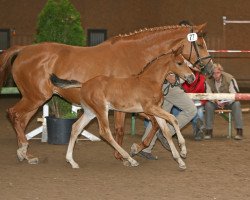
(77, 127)
(19, 116)
(163, 125)
(119, 118)
(136, 148)
(105, 132)
(170, 118)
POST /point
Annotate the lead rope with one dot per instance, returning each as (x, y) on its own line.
(176, 83)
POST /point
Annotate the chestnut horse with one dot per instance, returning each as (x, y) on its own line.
(120, 56)
(141, 93)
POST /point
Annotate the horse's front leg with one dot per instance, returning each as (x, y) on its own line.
(136, 148)
(119, 118)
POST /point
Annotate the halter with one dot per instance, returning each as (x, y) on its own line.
(199, 59)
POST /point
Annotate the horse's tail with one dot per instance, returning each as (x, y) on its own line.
(6, 60)
(62, 83)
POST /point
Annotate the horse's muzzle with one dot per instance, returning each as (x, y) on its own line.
(190, 78)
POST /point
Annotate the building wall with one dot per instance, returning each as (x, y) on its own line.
(124, 16)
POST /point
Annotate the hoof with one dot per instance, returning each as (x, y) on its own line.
(134, 149)
(20, 157)
(126, 163)
(183, 155)
(33, 161)
(182, 167)
(132, 163)
(74, 165)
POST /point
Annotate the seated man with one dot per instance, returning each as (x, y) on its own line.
(222, 82)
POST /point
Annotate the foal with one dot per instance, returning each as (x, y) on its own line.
(137, 94)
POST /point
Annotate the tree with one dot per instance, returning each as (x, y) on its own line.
(60, 22)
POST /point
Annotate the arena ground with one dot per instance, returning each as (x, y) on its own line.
(216, 169)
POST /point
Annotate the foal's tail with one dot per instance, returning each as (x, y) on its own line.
(7, 58)
(62, 83)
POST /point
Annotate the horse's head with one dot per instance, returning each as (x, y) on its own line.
(195, 50)
(180, 67)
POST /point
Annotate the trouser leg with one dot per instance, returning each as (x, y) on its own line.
(209, 115)
(237, 114)
(180, 99)
(151, 145)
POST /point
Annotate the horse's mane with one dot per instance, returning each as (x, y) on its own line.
(144, 31)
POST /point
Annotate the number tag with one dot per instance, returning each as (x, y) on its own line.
(192, 37)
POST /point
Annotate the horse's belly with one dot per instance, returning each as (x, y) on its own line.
(134, 108)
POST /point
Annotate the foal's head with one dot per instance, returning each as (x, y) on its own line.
(179, 66)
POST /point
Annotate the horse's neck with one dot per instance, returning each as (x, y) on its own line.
(156, 71)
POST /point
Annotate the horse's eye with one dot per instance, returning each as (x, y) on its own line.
(200, 45)
(179, 63)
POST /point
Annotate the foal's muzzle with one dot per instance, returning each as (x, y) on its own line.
(190, 78)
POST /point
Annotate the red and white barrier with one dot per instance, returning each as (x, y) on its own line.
(220, 96)
(225, 21)
(229, 51)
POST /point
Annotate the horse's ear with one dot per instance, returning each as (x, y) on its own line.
(201, 28)
(178, 50)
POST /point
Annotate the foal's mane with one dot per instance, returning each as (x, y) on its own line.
(144, 32)
(152, 61)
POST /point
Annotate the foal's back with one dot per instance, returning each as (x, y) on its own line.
(123, 94)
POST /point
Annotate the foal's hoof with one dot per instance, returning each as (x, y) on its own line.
(20, 157)
(132, 163)
(33, 161)
(126, 163)
(182, 165)
(134, 149)
(73, 164)
(183, 155)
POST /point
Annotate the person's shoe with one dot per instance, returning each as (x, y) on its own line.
(208, 134)
(163, 140)
(239, 135)
(147, 156)
(198, 136)
(199, 132)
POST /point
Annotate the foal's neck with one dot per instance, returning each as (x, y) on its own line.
(157, 69)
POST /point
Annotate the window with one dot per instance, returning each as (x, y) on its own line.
(4, 39)
(96, 36)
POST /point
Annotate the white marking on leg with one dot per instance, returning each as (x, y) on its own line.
(163, 125)
(77, 127)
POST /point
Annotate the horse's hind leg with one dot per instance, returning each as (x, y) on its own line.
(119, 118)
(77, 127)
(136, 148)
(20, 115)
